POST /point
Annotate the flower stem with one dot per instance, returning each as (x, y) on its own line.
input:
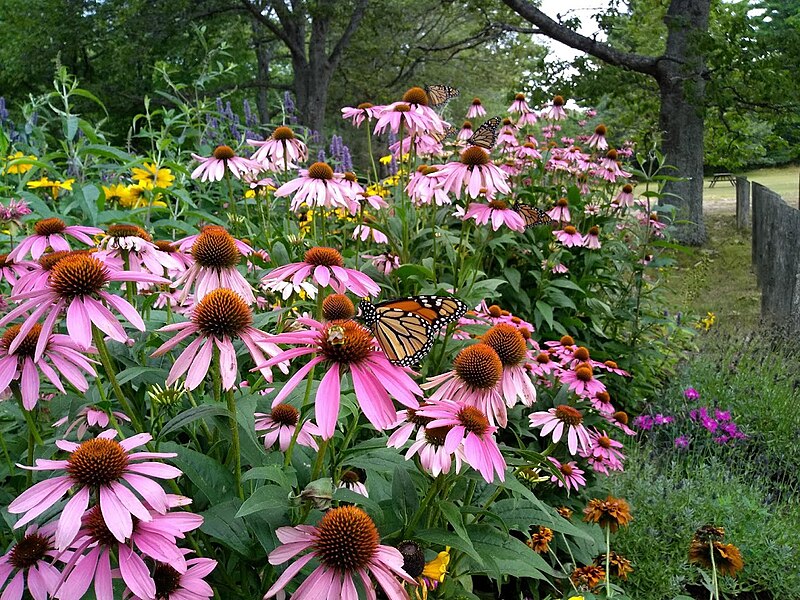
(31, 425)
(236, 447)
(232, 202)
(714, 582)
(287, 459)
(105, 360)
(369, 151)
(608, 562)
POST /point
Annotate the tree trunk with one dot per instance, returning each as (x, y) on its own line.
(262, 79)
(311, 90)
(682, 87)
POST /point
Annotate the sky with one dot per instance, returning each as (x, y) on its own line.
(583, 9)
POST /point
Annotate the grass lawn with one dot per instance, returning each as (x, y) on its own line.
(783, 180)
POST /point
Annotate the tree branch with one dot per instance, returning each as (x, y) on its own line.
(358, 14)
(552, 29)
(294, 47)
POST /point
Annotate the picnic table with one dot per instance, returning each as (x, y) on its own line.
(729, 177)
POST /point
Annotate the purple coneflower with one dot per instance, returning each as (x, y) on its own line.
(434, 457)
(11, 271)
(476, 109)
(512, 349)
(345, 346)
(76, 284)
(477, 370)
(216, 255)
(347, 544)
(555, 110)
(475, 172)
(598, 138)
(280, 151)
(498, 212)
(99, 465)
(519, 105)
(465, 132)
(48, 234)
(28, 566)
(570, 237)
(625, 196)
(573, 476)
(61, 356)
(173, 585)
(219, 318)
(415, 118)
(471, 431)
(135, 244)
(214, 167)
(385, 263)
(316, 186)
(87, 417)
(326, 267)
(360, 113)
(581, 380)
(280, 426)
(557, 419)
(560, 212)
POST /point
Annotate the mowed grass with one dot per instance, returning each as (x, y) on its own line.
(717, 277)
(784, 180)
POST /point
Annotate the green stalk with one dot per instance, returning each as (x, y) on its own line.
(714, 582)
(287, 459)
(232, 202)
(6, 454)
(608, 562)
(105, 360)
(369, 151)
(236, 447)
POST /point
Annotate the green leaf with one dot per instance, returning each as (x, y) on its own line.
(448, 538)
(283, 476)
(213, 480)
(190, 416)
(504, 555)
(414, 272)
(456, 519)
(266, 498)
(70, 127)
(404, 494)
(522, 513)
(546, 311)
(373, 508)
(220, 523)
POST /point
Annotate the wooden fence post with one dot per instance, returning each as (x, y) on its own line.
(742, 202)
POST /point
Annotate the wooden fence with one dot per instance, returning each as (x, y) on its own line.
(775, 252)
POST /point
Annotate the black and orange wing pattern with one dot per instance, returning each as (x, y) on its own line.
(485, 136)
(405, 327)
(533, 215)
(440, 94)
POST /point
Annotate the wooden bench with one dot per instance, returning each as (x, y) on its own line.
(729, 177)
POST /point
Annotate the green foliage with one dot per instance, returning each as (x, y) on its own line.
(750, 488)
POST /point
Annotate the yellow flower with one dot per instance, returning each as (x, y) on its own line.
(385, 160)
(576, 598)
(21, 167)
(250, 194)
(134, 197)
(433, 574)
(437, 568)
(117, 193)
(152, 176)
(706, 322)
(54, 186)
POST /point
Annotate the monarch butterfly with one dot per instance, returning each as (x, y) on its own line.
(440, 94)
(533, 215)
(440, 137)
(405, 327)
(485, 136)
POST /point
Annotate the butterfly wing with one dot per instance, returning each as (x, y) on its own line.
(438, 311)
(440, 137)
(404, 337)
(405, 327)
(533, 215)
(485, 136)
(440, 94)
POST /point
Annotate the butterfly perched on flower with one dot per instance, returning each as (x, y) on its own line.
(533, 215)
(406, 327)
(485, 136)
(440, 137)
(440, 94)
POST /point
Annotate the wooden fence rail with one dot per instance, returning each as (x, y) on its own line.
(775, 254)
